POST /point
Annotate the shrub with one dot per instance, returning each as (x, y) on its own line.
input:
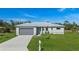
(48, 37)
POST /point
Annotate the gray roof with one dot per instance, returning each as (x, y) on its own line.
(40, 24)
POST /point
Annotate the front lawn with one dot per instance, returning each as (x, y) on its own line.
(33, 45)
(6, 36)
(57, 42)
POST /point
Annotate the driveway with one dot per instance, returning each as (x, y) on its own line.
(19, 43)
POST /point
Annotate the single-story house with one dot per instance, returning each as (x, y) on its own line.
(36, 28)
(2, 29)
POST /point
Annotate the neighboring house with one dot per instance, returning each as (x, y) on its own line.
(2, 29)
(37, 28)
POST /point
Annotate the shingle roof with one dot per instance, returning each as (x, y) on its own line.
(41, 24)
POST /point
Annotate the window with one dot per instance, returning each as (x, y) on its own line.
(42, 28)
(58, 28)
(46, 29)
(51, 28)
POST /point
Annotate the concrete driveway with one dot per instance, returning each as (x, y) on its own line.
(19, 43)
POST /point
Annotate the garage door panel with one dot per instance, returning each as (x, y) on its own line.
(26, 31)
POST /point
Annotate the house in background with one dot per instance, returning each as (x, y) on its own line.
(2, 29)
(37, 28)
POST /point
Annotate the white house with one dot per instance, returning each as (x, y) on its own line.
(37, 28)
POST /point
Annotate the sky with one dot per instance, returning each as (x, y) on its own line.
(55, 15)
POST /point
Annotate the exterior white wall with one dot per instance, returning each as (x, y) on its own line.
(57, 31)
(49, 29)
(41, 31)
(54, 30)
(17, 31)
(44, 30)
(34, 30)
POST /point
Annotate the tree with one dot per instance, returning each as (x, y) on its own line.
(66, 22)
(59, 23)
(67, 25)
(1, 22)
(74, 26)
(12, 24)
(28, 21)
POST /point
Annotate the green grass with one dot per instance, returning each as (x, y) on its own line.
(33, 46)
(6, 36)
(57, 42)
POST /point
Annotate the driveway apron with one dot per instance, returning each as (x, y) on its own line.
(19, 43)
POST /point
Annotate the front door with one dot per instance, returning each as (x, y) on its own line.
(38, 30)
(46, 28)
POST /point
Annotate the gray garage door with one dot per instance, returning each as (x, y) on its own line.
(26, 31)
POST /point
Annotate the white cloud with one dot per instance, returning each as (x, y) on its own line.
(61, 9)
(19, 19)
(72, 17)
(29, 15)
(15, 19)
(24, 14)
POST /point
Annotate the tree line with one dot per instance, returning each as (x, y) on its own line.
(10, 25)
(71, 26)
